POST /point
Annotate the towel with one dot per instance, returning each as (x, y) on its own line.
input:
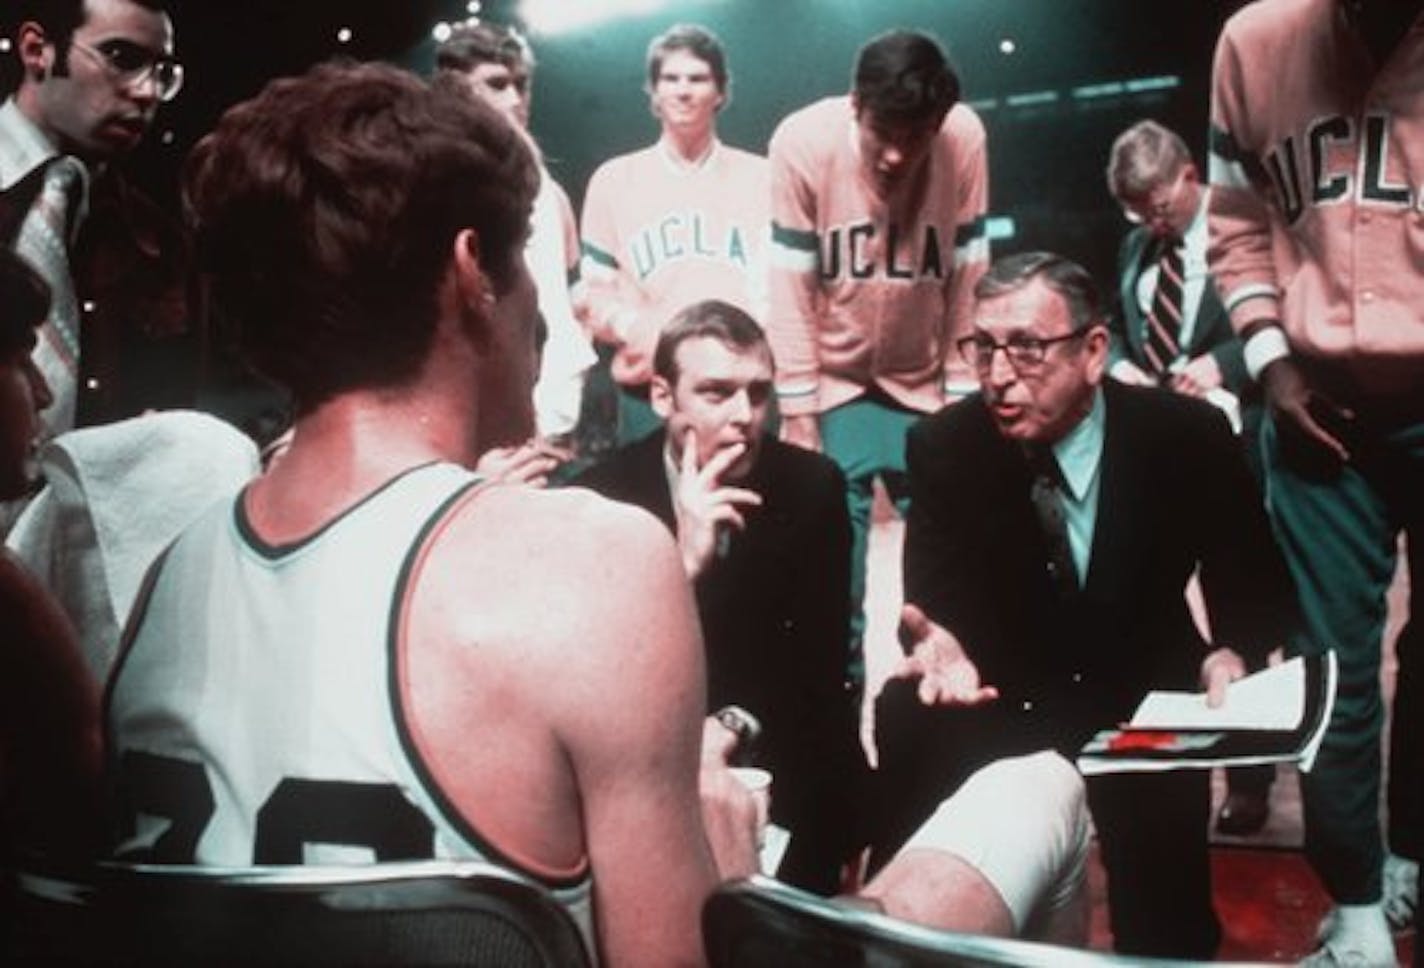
(115, 496)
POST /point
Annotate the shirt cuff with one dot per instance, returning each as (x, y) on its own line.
(1263, 348)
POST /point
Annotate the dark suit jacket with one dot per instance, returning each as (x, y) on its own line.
(1175, 496)
(775, 618)
(139, 346)
(1211, 332)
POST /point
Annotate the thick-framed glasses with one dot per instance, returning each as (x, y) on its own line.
(130, 64)
(1023, 352)
(1156, 211)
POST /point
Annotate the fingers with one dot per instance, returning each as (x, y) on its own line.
(1293, 399)
(914, 626)
(1312, 429)
(530, 467)
(718, 463)
(731, 818)
(1220, 669)
(946, 691)
(1216, 689)
(735, 497)
(718, 742)
(909, 667)
(1184, 383)
(688, 466)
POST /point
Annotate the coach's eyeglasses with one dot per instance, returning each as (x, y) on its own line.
(1158, 210)
(130, 64)
(1023, 352)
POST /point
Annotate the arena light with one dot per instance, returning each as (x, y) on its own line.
(561, 16)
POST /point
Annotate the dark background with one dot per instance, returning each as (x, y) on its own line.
(1046, 159)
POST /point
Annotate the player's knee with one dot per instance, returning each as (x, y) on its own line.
(1058, 804)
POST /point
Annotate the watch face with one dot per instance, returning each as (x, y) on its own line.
(741, 722)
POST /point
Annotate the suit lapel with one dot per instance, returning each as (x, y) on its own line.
(652, 479)
(1140, 256)
(1210, 325)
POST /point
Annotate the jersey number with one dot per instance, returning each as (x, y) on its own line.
(298, 812)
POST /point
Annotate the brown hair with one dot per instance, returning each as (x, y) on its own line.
(709, 318)
(326, 210)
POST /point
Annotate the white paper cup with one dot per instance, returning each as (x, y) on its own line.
(758, 782)
(755, 779)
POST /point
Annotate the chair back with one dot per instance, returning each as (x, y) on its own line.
(454, 913)
(762, 923)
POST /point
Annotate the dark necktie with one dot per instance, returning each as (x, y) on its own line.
(1046, 493)
(1164, 320)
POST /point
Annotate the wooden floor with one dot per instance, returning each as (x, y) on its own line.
(1268, 899)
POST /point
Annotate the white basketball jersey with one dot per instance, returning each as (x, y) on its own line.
(254, 716)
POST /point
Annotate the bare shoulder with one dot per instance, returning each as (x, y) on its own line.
(575, 523)
(556, 569)
(558, 622)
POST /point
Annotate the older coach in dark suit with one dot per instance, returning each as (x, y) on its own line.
(765, 537)
(1055, 520)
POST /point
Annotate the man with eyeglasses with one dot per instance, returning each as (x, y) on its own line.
(1055, 520)
(1170, 329)
(93, 75)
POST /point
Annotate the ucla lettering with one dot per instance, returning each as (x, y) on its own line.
(1328, 187)
(689, 234)
(1344, 160)
(1376, 189)
(860, 265)
(892, 248)
(1286, 173)
(905, 255)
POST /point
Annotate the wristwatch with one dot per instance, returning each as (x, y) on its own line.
(743, 725)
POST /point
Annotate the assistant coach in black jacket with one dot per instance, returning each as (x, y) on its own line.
(765, 538)
(1148, 489)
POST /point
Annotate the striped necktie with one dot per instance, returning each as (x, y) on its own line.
(44, 241)
(1164, 320)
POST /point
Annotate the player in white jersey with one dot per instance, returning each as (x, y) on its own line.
(495, 63)
(344, 664)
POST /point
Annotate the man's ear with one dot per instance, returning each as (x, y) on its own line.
(36, 52)
(1095, 345)
(473, 290)
(660, 396)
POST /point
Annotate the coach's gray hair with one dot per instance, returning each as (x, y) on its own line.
(1143, 157)
(1063, 276)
